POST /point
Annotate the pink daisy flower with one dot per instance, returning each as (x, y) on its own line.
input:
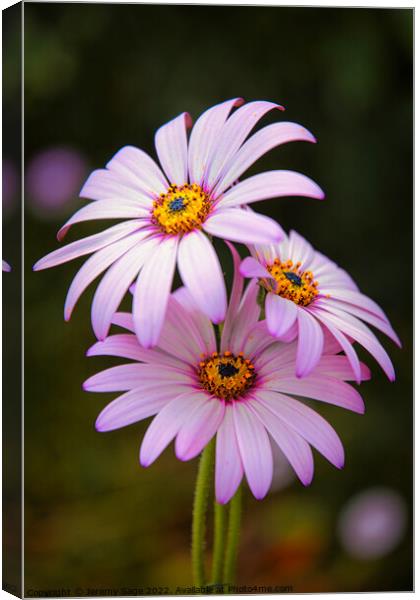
(168, 211)
(308, 294)
(240, 390)
(5, 266)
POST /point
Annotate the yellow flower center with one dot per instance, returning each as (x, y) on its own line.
(225, 375)
(182, 209)
(293, 283)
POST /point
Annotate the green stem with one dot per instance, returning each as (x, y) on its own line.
(233, 537)
(262, 292)
(218, 542)
(202, 487)
(219, 331)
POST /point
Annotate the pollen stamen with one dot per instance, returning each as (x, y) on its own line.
(226, 376)
(182, 209)
(291, 282)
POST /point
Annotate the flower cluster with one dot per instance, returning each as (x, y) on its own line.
(202, 366)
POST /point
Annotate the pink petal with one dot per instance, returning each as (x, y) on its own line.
(266, 254)
(6, 267)
(129, 376)
(337, 307)
(359, 332)
(331, 346)
(290, 335)
(235, 298)
(340, 367)
(138, 169)
(106, 185)
(233, 134)
(115, 284)
(126, 345)
(296, 450)
(152, 292)
(257, 340)
(320, 387)
(201, 426)
(276, 360)
(243, 226)
(357, 299)
(180, 336)
(201, 322)
(329, 275)
(171, 147)
(280, 314)
(250, 267)
(95, 265)
(246, 318)
(166, 425)
(104, 209)
(229, 470)
(300, 250)
(254, 448)
(307, 423)
(345, 345)
(204, 136)
(124, 320)
(271, 184)
(310, 343)
(87, 245)
(256, 146)
(135, 405)
(184, 298)
(201, 273)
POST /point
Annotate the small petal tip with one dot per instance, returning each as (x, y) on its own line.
(99, 426)
(144, 463)
(222, 499)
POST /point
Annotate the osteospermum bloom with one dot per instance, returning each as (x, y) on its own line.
(241, 391)
(308, 294)
(168, 211)
(5, 266)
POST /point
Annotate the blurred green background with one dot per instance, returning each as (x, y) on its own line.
(98, 77)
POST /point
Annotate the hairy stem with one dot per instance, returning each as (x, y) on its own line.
(202, 487)
(218, 542)
(233, 537)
